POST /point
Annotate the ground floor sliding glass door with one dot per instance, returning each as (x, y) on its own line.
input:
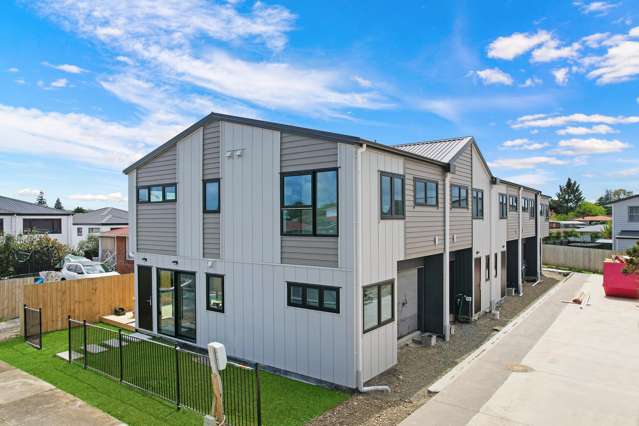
(176, 303)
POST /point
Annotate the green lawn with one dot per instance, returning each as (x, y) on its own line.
(284, 401)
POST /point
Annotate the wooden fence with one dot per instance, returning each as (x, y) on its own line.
(11, 297)
(576, 257)
(85, 299)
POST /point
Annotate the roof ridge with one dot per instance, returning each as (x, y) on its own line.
(424, 142)
(33, 204)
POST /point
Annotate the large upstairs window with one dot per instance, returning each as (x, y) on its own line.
(425, 192)
(391, 196)
(42, 226)
(309, 203)
(458, 197)
(633, 213)
(157, 193)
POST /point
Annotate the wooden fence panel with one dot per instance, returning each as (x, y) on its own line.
(576, 257)
(85, 299)
(11, 297)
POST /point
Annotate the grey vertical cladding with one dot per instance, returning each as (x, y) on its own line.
(304, 153)
(156, 224)
(212, 235)
(298, 153)
(461, 223)
(529, 225)
(156, 228)
(211, 151)
(513, 217)
(423, 223)
(310, 251)
(161, 169)
(211, 169)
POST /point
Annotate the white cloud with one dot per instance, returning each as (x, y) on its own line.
(124, 59)
(561, 76)
(543, 120)
(536, 178)
(28, 192)
(168, 40)
(68, 68)
(494, 76)
(595, 40)
(509, 47)
(524, 144)
(527, 162)
(627, 172)
(362, 81)
(59, 83)
(531, 82)
(601, 129)
(551, 51)
(619, 64)
(20, 81)
(13, 70)
(598, 7)
(589, 146)
(114, 197)
(634, 32)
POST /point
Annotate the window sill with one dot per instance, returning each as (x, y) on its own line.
(390, 321)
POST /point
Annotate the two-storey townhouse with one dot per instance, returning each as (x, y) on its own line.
(625, 222)
(312, 252)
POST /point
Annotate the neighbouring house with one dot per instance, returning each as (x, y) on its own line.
(96, 221)
(20, 217)
(593, 220)
(313, 252)
(566, 224)
(114, 249)
(625, 222)
(590, 233)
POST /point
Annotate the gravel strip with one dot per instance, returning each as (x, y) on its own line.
(418, 367)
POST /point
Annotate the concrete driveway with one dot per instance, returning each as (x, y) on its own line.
(27, 400)
(561, 365)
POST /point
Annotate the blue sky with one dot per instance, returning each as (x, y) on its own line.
(549, 89)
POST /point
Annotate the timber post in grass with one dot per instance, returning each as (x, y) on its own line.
(69, 327)
(120, 353)
(84, 332)
(177, 376)
(217, 358)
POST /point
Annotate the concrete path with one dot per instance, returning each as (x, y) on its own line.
(27, 400)
(562, 365)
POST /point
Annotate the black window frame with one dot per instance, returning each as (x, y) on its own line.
(219, 195)
(513, 203)
(320, 300)
(380, 323)
(313, 205)
(476, 205)
(426, 182)
(208, 307)
(629, 215)
(532, 210)
(465, 191)
(503, 206)
(79, 231)
(52, 230)
(148, 189)
(392, 215)
(496, 265)
(176, 299)
(487, 267)
(524, 204)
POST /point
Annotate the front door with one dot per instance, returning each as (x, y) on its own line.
(504, 274)
(145, 289)
(477, 290)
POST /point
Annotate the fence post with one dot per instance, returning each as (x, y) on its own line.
(177, 376)
(84, 331)
(40, 330)
(121, 358)
(69, 328)
(258, 397)
(24, 320)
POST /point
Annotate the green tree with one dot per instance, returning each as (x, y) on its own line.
(611, 195)
(89, 247)
(607, 230)
(30, 253)
(632, 264)
(58, 204)
(79, 210)
(586, 208)
(568, 197)
(40, 200)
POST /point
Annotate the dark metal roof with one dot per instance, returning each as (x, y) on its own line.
(444, 150)
(104, 216)
(628, 234)
(519, 186)
(319, 134)
(18, 207)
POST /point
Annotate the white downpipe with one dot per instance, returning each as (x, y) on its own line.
(520, 255)
(491, 255)
(358, 287)
(446, 256)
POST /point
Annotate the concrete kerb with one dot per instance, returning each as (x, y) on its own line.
(456, 371)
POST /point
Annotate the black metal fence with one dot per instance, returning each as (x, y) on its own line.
(33, 326)
(176, 375)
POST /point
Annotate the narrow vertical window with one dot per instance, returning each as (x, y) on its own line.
(143, 195)
(297, 214)
(391, 196)
(487, 267)
(215, 292)
(478, 204)
(212, 196)
(495, 263)
(326, 203)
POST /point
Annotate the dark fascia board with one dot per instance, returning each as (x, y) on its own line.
(37, 214)
(622, 199)
(481, 156)
(101, 224)
(319, 134)
(536, 191)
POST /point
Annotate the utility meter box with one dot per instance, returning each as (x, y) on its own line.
(217, 353)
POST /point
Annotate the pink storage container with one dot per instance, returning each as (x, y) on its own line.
(618, 284)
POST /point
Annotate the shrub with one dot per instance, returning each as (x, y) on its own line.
(30, 253)
(89, 248)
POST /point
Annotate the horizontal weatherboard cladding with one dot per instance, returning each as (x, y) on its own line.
(529, 225)
(310, 251)
(304, 153)
(156, 228)
(162, 169)
(211, 151)
(423, 223)
(212, 235)
(513, 217)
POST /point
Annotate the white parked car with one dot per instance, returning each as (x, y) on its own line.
(86, 269)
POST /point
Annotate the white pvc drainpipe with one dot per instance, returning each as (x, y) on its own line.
(358, 292)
